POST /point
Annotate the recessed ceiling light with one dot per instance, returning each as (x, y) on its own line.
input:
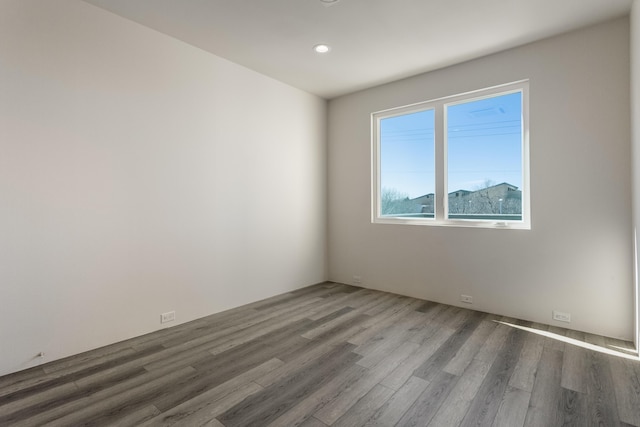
(329, 1)
(321, 48)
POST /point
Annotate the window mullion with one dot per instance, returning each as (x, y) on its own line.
(440, 166)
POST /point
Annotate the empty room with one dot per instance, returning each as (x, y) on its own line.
(319, 213)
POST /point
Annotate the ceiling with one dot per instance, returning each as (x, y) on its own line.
(372, 41)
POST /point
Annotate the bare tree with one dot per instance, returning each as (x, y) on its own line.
(393, 201)
(483, 202)
(486, 184)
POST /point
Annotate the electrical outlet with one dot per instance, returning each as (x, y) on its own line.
(357, 280)
(466, 298)
(561, 317)
(169, 316)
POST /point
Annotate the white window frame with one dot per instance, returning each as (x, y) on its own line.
(441, 197)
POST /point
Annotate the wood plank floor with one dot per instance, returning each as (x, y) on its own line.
(336, 355)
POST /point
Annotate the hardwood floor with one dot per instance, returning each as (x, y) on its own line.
(342, 356)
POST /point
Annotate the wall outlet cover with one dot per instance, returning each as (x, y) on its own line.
(561, 317)
(169, 316)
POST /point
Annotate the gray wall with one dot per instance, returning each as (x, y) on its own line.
(577, 256)
(140, 175)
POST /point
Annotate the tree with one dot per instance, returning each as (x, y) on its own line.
(394, 202)
(484, 202)
(490, 198)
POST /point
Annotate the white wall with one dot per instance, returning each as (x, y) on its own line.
(140, 175)
(577, 256)
(635, 144)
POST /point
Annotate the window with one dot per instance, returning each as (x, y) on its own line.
(461, 160)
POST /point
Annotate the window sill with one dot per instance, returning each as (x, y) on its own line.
(502, 225)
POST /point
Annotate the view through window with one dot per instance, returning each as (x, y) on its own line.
(407, 163)
(484, 158)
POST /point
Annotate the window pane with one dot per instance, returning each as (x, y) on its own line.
(484, 158)
(407, 165)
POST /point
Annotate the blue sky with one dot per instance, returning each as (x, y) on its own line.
(484, 143)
